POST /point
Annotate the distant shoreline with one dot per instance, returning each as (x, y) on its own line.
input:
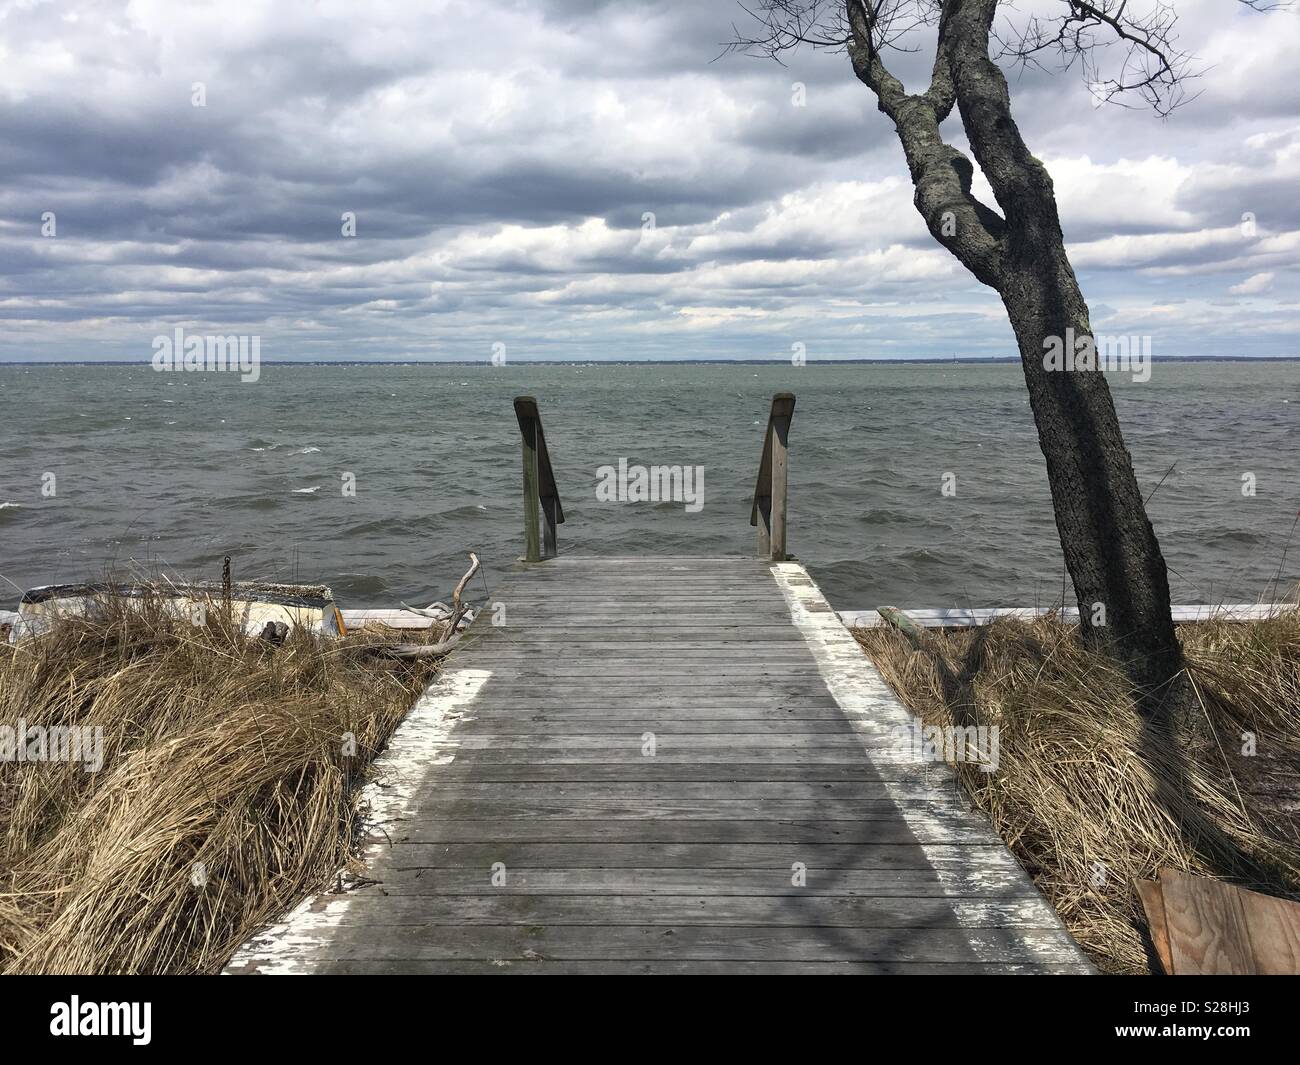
(967, 361)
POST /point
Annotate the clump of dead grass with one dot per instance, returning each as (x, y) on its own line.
(226, 792)
(1087, 797)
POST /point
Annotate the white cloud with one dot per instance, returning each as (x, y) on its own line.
(1254, 285)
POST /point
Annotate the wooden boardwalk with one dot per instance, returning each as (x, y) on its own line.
(667, 765)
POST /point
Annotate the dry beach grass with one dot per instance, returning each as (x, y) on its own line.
(226, 792)
(1087, 798)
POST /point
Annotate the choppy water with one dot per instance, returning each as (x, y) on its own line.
(176, 470)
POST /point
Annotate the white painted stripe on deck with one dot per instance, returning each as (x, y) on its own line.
(879, 718)
(423, 739)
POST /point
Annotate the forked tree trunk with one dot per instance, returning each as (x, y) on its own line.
(1110, 549)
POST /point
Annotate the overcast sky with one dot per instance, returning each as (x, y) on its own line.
(578, 179)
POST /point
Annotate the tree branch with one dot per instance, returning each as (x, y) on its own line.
(941, 175)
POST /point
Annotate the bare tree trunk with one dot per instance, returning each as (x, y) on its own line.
(1109, 546)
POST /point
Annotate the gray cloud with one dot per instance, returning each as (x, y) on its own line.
(502, 163)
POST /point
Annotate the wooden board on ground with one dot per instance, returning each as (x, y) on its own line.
(1153, 901)
(1205, 927)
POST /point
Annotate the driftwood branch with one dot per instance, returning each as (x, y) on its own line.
(434, 611)
(457, 609)
(450, 637)
(411, 650)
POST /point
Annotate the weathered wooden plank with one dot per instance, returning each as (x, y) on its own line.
(1207, 926)
(648, 670)
(671, 810)
(740, 612)
(631, 642)
(690, 687)
(622, 692)
(373, 908)
(667, 772)
(621, 717)
(624, 726)
(625, 722)
(662, 967)
(753, 791)
(528, 940)
(625, 587)
(1153, 903)
(668, 741)
(686, 604)
(634, 649)
(631, 756)
(657, 590)
(575, 629)
(616, 714)
(555, 830)
(403, 879)
(558, 594)
(1274, 928)
(584, 565)
(637, 655)
(606, 645)
(632, 617)
(690, 607)
(706, 858)
(651, 671)
(506, 699)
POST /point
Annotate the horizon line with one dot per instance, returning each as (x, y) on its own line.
(912, 359)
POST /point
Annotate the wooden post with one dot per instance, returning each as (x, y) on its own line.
(541, 497)
(225, 587)
(780, 470)
(548, 528)
(770, 493)
(894, 617)
(528, 431)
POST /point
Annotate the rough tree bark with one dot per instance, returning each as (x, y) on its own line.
(1110, 548)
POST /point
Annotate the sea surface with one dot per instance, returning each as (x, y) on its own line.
(168, 472)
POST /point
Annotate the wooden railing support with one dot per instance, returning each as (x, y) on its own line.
(541, 499)
(769, 509)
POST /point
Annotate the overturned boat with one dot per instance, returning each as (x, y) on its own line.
(255, 605)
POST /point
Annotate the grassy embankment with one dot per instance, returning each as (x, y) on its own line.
(226, 792)
(1088, 799)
